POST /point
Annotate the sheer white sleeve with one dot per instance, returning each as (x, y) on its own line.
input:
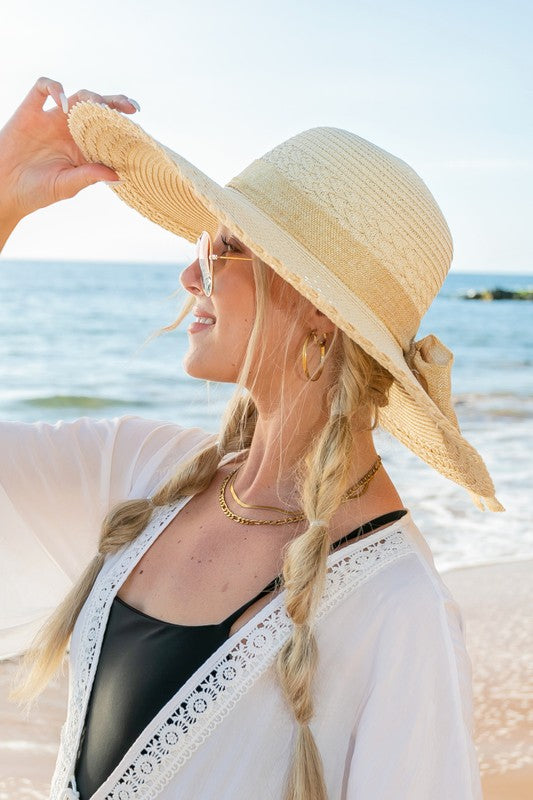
(57, 482)
(413, 739)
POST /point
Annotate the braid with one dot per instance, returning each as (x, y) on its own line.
(120, 526)
(362, 384)
(304, 573)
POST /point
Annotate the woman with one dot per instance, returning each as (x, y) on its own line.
(347, 675)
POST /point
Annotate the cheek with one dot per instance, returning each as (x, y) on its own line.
(234, 327)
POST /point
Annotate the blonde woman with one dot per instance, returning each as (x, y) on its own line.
(252, 614)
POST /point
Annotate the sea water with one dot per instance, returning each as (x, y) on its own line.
(72, 343)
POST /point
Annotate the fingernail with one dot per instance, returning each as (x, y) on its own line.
(134, 103)
(64, 102)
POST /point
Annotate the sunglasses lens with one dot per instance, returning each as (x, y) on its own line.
(203, 253)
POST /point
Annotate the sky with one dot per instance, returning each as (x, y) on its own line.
(446, 86)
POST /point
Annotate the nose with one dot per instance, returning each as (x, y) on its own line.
(191, 278)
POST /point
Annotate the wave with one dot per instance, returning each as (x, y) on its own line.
(496, 404)
(81, 401)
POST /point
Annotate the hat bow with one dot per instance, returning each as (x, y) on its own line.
(431, 361)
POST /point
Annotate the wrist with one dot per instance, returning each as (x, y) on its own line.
(7, 226)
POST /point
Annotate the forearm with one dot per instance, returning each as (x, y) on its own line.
(6, 229)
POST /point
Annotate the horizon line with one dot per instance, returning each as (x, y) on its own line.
(75, 262)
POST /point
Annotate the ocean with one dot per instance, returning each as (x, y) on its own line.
(73, 340)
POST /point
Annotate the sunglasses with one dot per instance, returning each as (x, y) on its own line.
(205, 256)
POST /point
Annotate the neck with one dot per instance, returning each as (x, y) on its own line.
(268, 476)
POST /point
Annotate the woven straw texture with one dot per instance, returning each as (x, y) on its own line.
(350, 226)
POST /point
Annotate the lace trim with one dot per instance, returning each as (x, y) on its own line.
(203, 709)
(96, 613)
(175, 734)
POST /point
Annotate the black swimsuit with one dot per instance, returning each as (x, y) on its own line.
(143, 662)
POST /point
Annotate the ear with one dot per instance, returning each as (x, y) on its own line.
(317, 319)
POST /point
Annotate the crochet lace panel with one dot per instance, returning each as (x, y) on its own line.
(193, 713)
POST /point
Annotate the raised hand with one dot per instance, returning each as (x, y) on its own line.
(39, 161)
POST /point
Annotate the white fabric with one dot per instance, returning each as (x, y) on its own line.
(393, 693)
(56, 484)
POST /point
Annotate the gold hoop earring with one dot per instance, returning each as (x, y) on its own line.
(322, 345)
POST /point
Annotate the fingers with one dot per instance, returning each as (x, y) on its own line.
(122, 102)
(118, 101)
(70, 182)
(45, 87)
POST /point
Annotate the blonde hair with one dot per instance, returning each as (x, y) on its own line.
(358, 389)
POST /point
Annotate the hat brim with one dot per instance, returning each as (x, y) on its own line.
(167, 189)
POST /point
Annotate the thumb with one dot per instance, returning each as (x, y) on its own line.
(72, 181)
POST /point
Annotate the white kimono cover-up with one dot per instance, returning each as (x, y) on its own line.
(393, 692)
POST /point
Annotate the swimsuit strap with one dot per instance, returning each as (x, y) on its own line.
(367, 527)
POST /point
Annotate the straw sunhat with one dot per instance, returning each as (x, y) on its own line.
(353, 228)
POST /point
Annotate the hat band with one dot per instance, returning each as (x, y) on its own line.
(352, 263)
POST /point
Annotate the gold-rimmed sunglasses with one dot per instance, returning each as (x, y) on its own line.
(205, 256)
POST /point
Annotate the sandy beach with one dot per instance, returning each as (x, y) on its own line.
(498, 611)
(497, 603)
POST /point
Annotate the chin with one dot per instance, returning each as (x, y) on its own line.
(216, 364)
(206, 372)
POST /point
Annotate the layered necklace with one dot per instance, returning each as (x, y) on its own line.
(356, 490)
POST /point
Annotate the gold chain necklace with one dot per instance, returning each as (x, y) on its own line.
(357, 490)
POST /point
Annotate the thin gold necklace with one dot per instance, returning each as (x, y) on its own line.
(357, 490)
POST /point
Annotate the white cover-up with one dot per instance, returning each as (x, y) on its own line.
(393, 692)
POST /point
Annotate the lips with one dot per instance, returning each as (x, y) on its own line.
(197, 312)
(196, 327)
